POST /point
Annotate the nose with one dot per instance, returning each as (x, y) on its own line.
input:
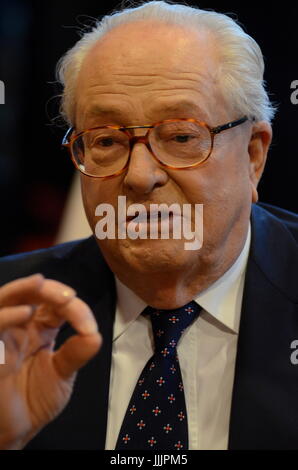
(144, 173)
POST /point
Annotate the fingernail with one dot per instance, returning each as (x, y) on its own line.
(89, 327)
(68, 293)
(57, 293)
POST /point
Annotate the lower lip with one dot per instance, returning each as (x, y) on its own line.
(153, 222)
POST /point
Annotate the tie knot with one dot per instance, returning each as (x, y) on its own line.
(168, 325)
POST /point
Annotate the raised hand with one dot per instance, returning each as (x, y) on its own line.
(36, 382)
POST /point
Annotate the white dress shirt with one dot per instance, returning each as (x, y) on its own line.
(206, 350)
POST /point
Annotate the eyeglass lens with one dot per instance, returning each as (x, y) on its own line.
(103, 152)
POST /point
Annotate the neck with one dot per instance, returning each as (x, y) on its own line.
(170, 288)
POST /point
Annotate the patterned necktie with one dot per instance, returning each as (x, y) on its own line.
(156, 415)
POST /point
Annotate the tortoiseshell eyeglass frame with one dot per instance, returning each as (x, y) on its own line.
(69, 140)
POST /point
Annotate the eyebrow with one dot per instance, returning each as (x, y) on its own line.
(181, 106)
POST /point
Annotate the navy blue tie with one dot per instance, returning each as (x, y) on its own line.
(156, 416)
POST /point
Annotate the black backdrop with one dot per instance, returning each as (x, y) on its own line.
(35, 174)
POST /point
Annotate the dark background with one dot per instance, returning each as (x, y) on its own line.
(35, 174)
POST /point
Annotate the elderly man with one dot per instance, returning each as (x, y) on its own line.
(166, 105)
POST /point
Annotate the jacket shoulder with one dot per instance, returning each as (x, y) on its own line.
(23, 264)
(287, 218)
(47, 261)
(274, 246)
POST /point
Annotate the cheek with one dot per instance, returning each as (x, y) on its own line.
(90, 191)
(92, 195)
(231, 191)
(95, 192)
(222, 184)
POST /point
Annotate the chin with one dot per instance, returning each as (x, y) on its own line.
(148, 255)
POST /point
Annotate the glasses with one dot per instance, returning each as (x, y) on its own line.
(104, 151)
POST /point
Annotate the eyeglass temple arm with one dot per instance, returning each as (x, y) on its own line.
(229, 125)
(65, 140)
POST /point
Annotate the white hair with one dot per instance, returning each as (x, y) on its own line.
(241, 59)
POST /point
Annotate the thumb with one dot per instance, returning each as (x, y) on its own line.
(75, 353)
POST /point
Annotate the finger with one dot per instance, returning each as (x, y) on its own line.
(78, 314)
(75, 353)
(16, 291)
(36, 290)
(14, 316)
(45, 315)
(54, 293)
(59, 298)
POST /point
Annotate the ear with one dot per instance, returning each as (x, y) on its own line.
(260, 139)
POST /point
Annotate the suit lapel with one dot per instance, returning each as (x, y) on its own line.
(264, 412)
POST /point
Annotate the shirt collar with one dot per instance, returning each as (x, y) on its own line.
(222, 299)
(129, 307)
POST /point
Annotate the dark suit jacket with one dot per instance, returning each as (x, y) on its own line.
(264, 412)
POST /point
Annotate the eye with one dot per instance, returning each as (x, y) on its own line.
(183, 138)
(104, 142)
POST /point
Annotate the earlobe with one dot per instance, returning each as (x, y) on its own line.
(254, 194)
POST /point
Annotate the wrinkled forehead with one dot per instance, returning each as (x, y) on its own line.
(143, 58)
